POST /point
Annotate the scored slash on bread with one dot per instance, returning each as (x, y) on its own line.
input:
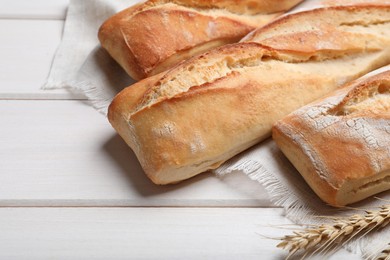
(204, 111)
(154, 36)
(341, 144)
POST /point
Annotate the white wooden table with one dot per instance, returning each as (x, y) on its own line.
(71, 189)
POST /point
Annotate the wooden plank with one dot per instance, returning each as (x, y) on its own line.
(142, 233)
(36, 9)
(64, 153)
(26, 52)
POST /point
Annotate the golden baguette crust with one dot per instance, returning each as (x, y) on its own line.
(204, 111)
(296, 26)
(149, 38)
(249, 7)
(352, 2)
(341, 144)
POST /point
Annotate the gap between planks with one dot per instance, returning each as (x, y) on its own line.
(151, 207)
(34, 10)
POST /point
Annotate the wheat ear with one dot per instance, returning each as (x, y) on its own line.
(384, 255)
(320, 238)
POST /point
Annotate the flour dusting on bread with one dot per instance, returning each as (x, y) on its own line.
(341, 144)
(226, 100)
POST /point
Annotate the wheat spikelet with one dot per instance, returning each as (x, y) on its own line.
(324, 237)
(385, 254)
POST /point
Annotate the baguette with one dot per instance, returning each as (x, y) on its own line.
(341, 144)
(204, 111)
(151, 37)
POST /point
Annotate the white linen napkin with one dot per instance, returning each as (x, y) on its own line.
(81, 65)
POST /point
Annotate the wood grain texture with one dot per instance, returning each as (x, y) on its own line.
(36, 9)
(64, 153)
(27, 49)
(140, 233)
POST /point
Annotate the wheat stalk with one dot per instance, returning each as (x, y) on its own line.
(323, 237)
